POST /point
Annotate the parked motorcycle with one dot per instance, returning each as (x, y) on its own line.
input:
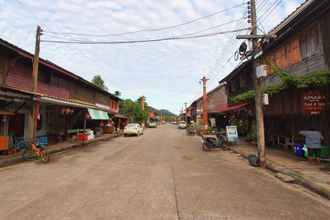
(214, 141)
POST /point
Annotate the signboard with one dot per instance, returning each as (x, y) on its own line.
(266, 99)
(232, 134)
(314, 102)
(213, 122)
(261, 71)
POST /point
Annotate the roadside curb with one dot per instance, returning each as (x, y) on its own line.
(19, 159)
(298, 179)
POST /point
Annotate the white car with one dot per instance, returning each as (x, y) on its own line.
(182, 125)
(133, 129)
(152, 124)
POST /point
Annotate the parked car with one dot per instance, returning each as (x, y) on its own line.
(182, 125)
(133, 129)
(152, 124)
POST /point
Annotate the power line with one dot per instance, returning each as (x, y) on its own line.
(273, 6)
(148, 29)
(214, 27)
(267, 14)
(181, 35)
(147, 40)
(262, 5)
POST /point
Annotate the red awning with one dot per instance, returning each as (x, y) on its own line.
(229, 108)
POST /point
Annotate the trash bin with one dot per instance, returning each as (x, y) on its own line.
(299, 150)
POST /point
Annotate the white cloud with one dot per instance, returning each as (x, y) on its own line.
(166, 72)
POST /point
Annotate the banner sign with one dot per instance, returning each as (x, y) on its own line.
(314, 102)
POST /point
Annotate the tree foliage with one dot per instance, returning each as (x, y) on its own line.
(99, 82)
(133, 110)
(311, 80)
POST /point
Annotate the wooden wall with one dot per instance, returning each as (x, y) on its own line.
(325, 32)
(216, 98)
(285, 115)
(301, 53)
(240, 82)
(50, 82)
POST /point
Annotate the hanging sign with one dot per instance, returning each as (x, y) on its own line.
(314, 102)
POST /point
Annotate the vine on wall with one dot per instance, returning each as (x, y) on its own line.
(317, 79)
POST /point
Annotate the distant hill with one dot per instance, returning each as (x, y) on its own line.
(164, 112)
(167, 112)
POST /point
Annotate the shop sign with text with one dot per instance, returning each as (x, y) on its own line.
(314, 102)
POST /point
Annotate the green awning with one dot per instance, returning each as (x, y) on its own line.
(98, 114)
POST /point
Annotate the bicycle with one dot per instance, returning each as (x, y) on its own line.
(32, 151)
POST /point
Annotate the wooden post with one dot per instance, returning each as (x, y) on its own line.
(35, 70)
(186, 117)
(142, 102)
(65, 126)
(205, 105)
(258, 90)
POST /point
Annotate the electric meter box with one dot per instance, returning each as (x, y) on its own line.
(261, 71)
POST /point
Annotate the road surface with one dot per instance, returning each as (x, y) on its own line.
(161, 175)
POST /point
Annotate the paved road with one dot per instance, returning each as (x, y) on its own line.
(161, 175)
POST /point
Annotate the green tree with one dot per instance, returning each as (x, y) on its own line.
(99, 82)
(133, 110)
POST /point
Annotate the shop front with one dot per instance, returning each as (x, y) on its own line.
(231, 114)
(292, 112)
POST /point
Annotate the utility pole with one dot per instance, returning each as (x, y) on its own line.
(142, 100)
(253, 38)
(258, 90)
(185, 107)
(205, 105)
(35, 73)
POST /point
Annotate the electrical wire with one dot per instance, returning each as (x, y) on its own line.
(147, 40)
(186, 34)
(270, 10)
(214, 27)
(148, 29)
(262, 6)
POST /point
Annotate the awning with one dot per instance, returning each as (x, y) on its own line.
(98, 114)
(228, 108)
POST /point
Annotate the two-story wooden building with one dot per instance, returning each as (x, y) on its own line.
(67, 101)
(298, 80)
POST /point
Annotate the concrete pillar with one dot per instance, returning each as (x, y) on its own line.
(29, 124)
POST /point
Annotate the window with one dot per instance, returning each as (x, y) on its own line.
(310, 42)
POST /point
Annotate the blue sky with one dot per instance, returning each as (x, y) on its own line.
(167, 73)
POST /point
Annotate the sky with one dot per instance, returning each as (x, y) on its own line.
(167, 73)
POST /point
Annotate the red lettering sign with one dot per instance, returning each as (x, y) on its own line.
(314, 102)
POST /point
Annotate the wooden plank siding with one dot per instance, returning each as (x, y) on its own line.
(325, 33)
(299, 54)
(285, 115)
(16, 73)
(216, 98)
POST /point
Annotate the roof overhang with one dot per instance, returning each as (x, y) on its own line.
(229, 108)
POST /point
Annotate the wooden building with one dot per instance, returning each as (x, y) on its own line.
(217, 98)
(65, 98)
(298, 79)
(301, 49)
